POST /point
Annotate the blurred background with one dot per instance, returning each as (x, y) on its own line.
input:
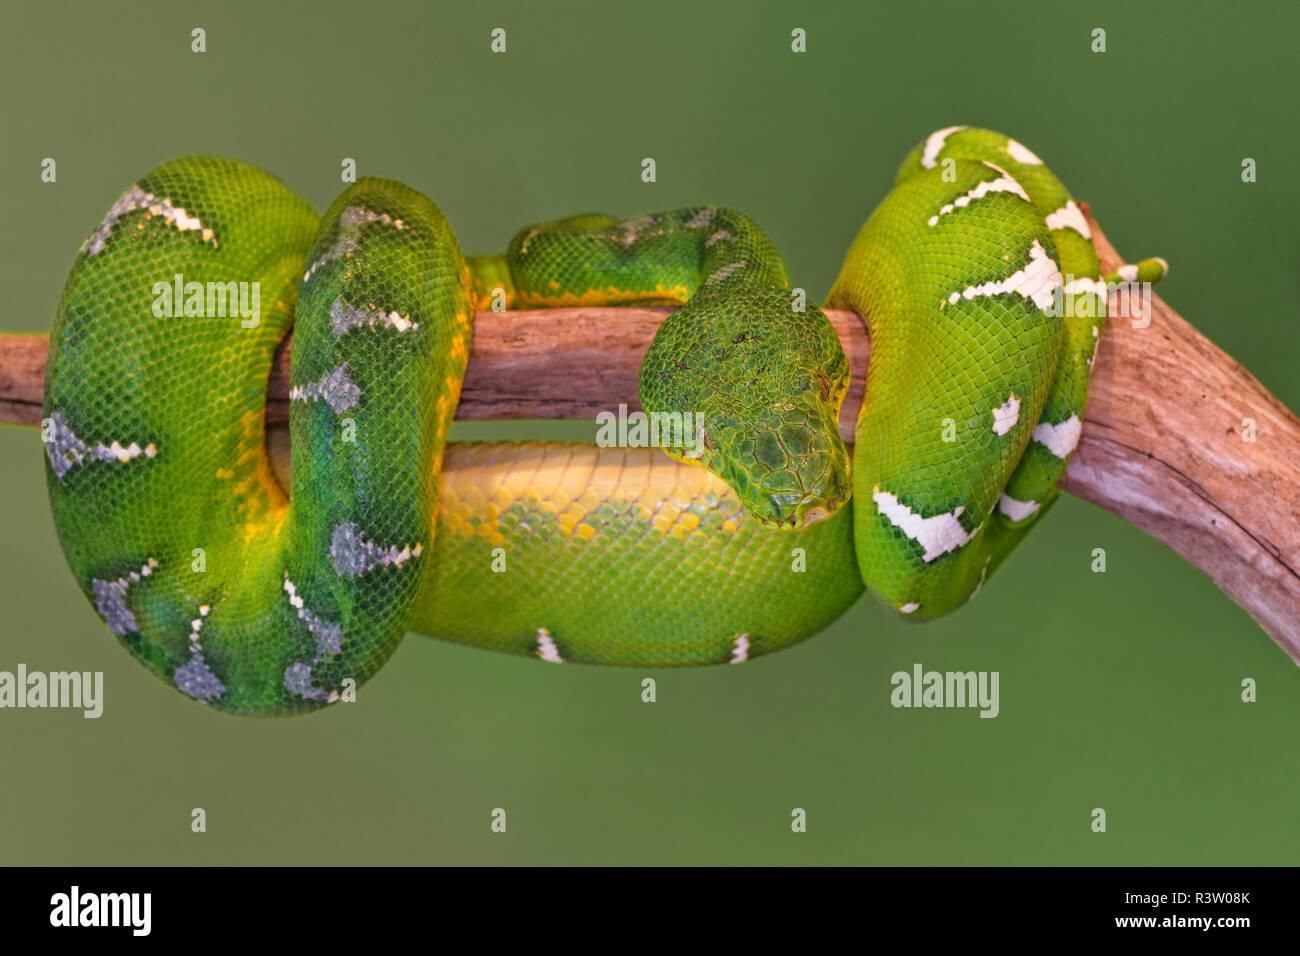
(1118, 690)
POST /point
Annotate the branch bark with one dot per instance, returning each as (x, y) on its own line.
(1163, 446)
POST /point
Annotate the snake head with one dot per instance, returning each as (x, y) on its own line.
(764, 385)
(787, 472)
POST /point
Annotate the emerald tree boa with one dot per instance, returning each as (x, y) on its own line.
(750, 530)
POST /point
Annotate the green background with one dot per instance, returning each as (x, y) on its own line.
(1118, 690)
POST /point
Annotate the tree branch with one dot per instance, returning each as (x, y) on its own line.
(1164, 444)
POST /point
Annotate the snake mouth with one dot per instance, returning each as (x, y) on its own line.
(807, 512)
(814, 515)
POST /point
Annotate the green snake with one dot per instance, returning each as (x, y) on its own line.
(258, 592)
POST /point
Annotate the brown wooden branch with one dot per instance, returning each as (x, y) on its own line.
(1164, 444)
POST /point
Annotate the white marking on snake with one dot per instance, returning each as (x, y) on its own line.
(1006, 415)
(65, 450)
(178, 217)
(344, 317)
(1069, 217)
(353, 554)
(1060, 438)
(740, 650)
(195, 677)
(1036, 281)
(546, 648)
(329, 638)
(633, 228)
(1022, 154)
(702, 219)
(328, 634)
(129, 201)
(135, 199)
(1128, 273)
(1005, 183)
(1164, 266)
(532, 234)
(984, 573)
(335, 388)
(345, 242)
(720, 236)
(937, 534)
(934, 145)
(1084, 285)
(1016, 510)
(1076, 288)
(909, 607)
(110, 599)
(723, 273)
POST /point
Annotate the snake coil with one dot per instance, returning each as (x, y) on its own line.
(977, 280)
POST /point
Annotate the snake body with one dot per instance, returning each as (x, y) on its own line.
(258, 602)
